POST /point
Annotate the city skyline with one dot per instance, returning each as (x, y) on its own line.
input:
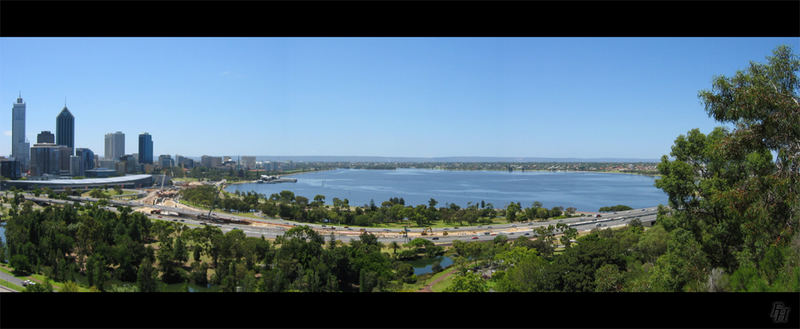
(404, 97)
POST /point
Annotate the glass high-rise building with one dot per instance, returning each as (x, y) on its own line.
(20, 149)
(145, 148)
(65, 129)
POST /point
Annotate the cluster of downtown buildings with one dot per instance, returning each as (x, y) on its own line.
(54, 156)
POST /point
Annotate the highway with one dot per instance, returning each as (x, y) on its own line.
(271, 228)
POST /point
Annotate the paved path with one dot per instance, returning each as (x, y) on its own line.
(429, 286)
(10, 278)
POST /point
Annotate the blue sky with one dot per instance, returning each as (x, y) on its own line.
(418, 97)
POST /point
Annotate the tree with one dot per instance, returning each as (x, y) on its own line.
(764, 104)
(146, 279)
(467, 282)
(608, 278)
(724, 188)
(70, 286)
(652, 244)
(394, 245)
(432, 203)
(683, 264)
(97, 194)
(511, 211)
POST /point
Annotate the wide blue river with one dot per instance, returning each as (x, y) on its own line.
(585, 191)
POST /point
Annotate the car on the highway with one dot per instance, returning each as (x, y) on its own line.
(386, 230)
(455, 227)
(28, 283)
(488, 227)
(598, 225)
(435, 238)
(486, 233)
(527, 234)
(515, 225)
(446, 229)
(474, 238)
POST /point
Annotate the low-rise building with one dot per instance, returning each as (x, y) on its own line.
(210, 161)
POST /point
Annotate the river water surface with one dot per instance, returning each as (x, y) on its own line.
(586, 191)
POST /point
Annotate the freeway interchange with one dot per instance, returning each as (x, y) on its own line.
(271, 228)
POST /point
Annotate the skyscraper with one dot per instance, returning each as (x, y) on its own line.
(20, 149)
(115, 146)
(65, 129)
(145, 148)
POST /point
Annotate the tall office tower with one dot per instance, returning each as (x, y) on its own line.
(46, 137)
(115, 146)
(145, 148)
(87, 158)
(20, 149)
(65, 129)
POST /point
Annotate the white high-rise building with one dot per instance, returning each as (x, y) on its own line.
(20, 149)
(115, 146)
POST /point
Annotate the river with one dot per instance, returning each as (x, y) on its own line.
(586, 191)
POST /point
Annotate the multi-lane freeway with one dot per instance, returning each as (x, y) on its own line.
(271, 228)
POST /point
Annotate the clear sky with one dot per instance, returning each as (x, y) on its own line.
(417, 97)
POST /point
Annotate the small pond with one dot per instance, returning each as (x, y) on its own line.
(425, 265)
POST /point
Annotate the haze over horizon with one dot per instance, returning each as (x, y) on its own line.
(556, 98)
